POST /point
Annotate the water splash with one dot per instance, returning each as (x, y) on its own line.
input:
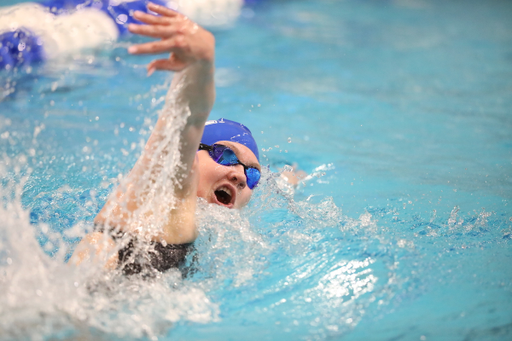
(42, 296)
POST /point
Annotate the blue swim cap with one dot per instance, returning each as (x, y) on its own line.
(121, 11)
(20, 47)
(226, 130)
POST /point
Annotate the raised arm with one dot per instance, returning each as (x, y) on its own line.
(192, 93)
(192, 51)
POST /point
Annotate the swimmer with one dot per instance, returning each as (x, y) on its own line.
(219, 159)
(35, 32)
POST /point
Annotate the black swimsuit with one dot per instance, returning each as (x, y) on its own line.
(133, 260)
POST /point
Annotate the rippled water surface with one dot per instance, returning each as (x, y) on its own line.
(399, 111)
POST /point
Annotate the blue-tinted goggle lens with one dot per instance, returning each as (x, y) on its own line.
(253, 176)
(223, 155)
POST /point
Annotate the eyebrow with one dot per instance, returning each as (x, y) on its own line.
(237, 152)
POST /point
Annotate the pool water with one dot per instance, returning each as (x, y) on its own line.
(399, 111)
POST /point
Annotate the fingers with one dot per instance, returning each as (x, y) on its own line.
(154, 31)
(171, 64)
(167, 12)
(167, 45)
(151, 19)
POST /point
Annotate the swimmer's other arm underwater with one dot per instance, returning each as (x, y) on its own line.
(219, 163)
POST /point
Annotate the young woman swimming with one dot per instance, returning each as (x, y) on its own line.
(218, 162)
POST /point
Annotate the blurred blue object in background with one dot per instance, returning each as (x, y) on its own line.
(20, 47)
(24, 47)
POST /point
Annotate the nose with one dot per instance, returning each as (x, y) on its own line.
(237, 176)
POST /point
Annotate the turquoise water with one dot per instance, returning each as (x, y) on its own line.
(399, 111)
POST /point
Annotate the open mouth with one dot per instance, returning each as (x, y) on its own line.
(224, 195)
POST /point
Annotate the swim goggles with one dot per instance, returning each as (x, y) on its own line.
(225, 156)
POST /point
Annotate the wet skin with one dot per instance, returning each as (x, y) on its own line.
(225, 185)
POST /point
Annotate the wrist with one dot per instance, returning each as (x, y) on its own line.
(207, 42)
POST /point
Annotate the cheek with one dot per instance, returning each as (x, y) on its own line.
(209, 173)
(244, 197)
(202, 185)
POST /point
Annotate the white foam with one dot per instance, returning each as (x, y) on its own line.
(210, 13)
(41, 296)
(61, 35)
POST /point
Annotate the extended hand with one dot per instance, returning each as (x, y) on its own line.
(187, 42)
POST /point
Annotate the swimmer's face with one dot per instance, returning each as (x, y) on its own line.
(225, 185)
